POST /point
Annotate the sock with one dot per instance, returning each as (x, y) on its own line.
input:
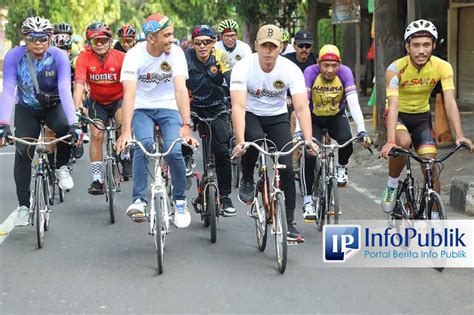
(392, 182)
(307, 199)
(96, 168)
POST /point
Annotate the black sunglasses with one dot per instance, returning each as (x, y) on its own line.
(307, 46)
(34, 39)
(206, 42)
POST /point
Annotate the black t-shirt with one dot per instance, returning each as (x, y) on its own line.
(310, 61)
(119, 47)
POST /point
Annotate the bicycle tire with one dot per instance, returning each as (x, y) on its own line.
(159, 234)
(39, 209)
(332, 213)
(258, 208)
(211, 210)
(318, 198)
(51, 187)
(47, 194)
(110, 187)
(435, 200)
(281, 230)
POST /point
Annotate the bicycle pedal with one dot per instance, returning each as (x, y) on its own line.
(292, 243)
(310, 220)
(138, 218)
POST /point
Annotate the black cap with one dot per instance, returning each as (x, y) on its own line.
(304, 37)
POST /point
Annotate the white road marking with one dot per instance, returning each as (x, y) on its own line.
(365, 192)
(8, 225)
(7, 153)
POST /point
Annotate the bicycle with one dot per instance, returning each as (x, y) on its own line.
(43, 193)
(112, 179)
(158, 212)
(269, 203)
(325, 191)
(207, 202)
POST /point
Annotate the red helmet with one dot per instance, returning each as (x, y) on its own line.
(98, 30)
(126, 31)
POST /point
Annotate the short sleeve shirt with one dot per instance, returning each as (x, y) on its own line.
(240, 51)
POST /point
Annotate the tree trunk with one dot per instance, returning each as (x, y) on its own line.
(389, 27)
(311, 21)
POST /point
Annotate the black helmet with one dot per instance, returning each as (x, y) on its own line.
(62, 28)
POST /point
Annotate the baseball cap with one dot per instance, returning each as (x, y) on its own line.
(269, 34)
(304, 37)
(156, 22)
(329, 53)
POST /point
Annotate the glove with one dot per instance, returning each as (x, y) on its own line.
(298, 136)
(4, 131)
(76, 132)
(363, 136)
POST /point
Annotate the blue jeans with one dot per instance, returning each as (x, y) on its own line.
(143, 124)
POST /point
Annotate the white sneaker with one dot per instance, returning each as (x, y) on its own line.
(341, 175)
(309, 213)
(64, 178)
(23, 216)
(182, 217)
(136, 211)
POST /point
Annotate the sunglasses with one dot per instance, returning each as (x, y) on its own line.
(206, 42)
(99, 40)
(229, 36)
(307, 46)
(34, 39)
(127, 41)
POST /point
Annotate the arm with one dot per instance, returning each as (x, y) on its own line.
(454, 118)
(182, 99)
(391, 82)
(129, 91)
(80, 75)
(239, 105)
(300, 103)
(64, 86)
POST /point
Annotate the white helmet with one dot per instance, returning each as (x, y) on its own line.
(36, 24)
(420, 26)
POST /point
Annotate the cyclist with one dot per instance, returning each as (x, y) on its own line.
(285, 38)
(235, 48)
(140, 37)
(154, 77)
(410, 81)
(208, 67)
(99, 68)
(259, 84)
(51, 103)
(126, 35)
(330, 85)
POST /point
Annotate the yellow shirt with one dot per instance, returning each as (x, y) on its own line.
(413, 87)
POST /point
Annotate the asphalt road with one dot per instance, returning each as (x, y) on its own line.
(91, 266)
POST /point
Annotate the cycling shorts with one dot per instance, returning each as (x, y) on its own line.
(420, 127)
(101, 112)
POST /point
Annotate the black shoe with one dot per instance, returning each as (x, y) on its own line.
(77, 152)
(189, 161)
(97, 188)
(293, 234)
(246, 190)
(126, 167)
(227, 206)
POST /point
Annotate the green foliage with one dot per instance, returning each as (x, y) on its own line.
(325, 34)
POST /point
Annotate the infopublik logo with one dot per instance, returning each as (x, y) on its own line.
(340, 242)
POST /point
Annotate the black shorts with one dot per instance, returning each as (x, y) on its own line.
(421, 130)
(103, 112)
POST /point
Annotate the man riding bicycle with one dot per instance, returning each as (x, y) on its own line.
(154, 77)
(410, 81)
(42, 75)
(235, 48)
(329, 85)
(99, 68)
(208, 68)
(259, 85)
(126, 35)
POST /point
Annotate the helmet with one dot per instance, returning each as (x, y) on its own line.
(285, 36)
(424, 27)
(228, 26)
(36, 24)
(329, 53)
(126, 31)
(203, 30)
(62, 41)
(141, 37)
(63, 28)
(98, 29)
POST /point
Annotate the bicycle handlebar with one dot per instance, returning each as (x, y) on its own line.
(98, 126)
(339, 146)
(159, 154)
(276, 153)
(223, 112)
(37, 143)
(397, 151)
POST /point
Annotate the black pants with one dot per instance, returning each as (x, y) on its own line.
(219, 145)
(277, 129)
(27, 124)
(340, 130)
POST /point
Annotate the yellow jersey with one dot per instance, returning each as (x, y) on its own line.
(413, 87)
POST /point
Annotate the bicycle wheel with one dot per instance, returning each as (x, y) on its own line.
(259, 215)
(333, 202)
(436, 210)
(212, 211)
(318, 198)
(39, 208)
(159, 232)
(110, 188)
(51, 187)
(281, 230)
(47, 183)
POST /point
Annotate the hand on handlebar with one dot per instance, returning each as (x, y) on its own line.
(122, 142)
(387, 148)
(467, 141)
(239, 149)
(312, 148)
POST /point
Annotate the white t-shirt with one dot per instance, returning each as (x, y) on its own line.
(266, 92)
(289, 49)
(154, 75)
(240, 51)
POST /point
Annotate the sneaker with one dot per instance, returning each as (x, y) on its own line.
(97, 188)
(136, 211)
(296, 166)
(189, 161)
(227, 206)
(246, 190)
(309, 213)
(85, 138)
(23, 216)
(64, 178)
(293, 234)
(341, 175)
(77, 152)
(126, 167)
(182, 217)
(389, 196)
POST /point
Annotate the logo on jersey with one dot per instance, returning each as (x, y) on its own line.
(213, 69)
(258, 93)
(92, 68)
(103, 77)
(238, 57)
(155, 77)
(418, 82)
(279, 85)
(112, 69)
(165, 67)
(49, 74)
